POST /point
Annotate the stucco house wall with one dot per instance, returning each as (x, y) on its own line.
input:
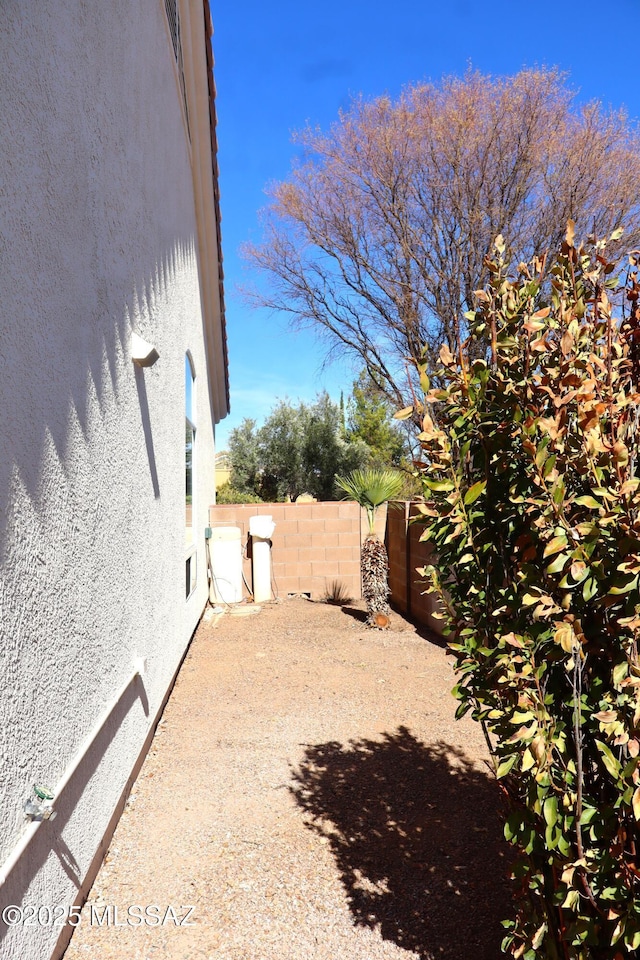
(107, 193)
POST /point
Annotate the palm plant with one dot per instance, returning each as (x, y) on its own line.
(371, 488)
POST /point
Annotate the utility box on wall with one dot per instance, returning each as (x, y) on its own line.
(225, 551)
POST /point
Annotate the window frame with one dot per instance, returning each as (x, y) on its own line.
(190, 473)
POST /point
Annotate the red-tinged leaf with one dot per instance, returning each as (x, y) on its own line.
(588, 501)
(565, 636)
(538, 936)
(513, 640)
(403, 414)
(629, 486)
(533, 326)
(578, 570)
(620, 672)
(566, 343)
(554, 545)
(588, 529)
(540, 346)
(446, 357)
(571, 232)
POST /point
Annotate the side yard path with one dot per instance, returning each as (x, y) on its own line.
(310, 794)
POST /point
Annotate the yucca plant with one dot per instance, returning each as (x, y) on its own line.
(371, 488)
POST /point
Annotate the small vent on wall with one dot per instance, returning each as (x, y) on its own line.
(171, 6)
(173, 18)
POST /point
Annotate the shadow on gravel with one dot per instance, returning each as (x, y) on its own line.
(421, 629)
(416, 836)
(360, 615)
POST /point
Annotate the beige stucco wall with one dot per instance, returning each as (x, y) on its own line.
(99, 237)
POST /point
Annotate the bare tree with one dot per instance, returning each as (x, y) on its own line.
(378, 238)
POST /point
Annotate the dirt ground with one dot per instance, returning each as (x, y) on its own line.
(311, 796)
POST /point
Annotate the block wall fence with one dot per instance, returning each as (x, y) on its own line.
(314, 545)
(407, 553)
(317, 546)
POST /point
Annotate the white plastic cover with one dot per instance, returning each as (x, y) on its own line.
(262, 527)
(226, 564)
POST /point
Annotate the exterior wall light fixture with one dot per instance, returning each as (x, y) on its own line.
(144, 354)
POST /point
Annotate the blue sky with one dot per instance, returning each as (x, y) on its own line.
(282, 64)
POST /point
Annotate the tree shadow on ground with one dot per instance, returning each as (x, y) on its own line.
(354, 612)
(421, 629)
(415, 831)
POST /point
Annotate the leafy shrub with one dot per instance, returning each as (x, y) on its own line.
(226, 493)
(530, 457)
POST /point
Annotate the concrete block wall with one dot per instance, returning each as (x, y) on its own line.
(407, 553)
(314, 545)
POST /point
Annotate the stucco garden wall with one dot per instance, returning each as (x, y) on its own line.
(315, 546)
(316, 550)
(98, 238)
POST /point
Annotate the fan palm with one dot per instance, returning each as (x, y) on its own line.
(371, 488)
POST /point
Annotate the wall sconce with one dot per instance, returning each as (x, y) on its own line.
(142, 353)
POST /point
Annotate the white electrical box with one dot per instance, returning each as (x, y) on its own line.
(225, 547)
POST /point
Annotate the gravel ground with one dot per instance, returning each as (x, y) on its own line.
(310, 794)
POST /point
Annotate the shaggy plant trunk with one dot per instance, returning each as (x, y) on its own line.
(372, 488)
(375, 581)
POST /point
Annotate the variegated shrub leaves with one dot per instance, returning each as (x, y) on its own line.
(530, 462)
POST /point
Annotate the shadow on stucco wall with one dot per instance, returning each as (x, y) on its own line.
(67, 388)
(141, 387)
(49, 837)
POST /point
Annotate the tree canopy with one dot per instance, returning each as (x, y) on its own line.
(379, 237)
(298, 449)
(301, 447)
(370, 418)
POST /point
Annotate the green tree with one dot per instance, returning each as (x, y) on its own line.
(380, 235)
(299, 449)
(371, 420)
(228, 494)
(244, 458)
(281, 452)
